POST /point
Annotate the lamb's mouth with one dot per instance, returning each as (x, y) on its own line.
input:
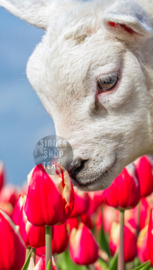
(95, 181)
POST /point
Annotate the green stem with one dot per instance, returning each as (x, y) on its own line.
(34, 254)
(121, 264)
(48, 246)
(28, 249)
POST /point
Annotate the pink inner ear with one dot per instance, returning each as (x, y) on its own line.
(124, 26)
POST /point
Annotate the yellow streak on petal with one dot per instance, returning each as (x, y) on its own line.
(28, 226)
(141, 236)
(75, 238)
(67, 187)
(22, 200)
(79, 192)
(58, 182)
(115, 229)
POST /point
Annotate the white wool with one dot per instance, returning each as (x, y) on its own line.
(79, 45)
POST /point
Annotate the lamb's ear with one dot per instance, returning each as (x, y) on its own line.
(127, 19)
(37, 12)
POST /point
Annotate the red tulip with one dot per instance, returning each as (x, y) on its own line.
(130, 241)
(99, 220)
(81, 203)
(9, 194)
(60, 239)
(96, 200)
(2, 175)
(144, 213)
(7, 208)
(86, 219)
(83, 247)
(12, 247)
(114, 237)
(142, 245)
(40, 265)
(41, 251)
(124, 192)
(32, 235)
(144, 170)
(150, 237)
(50, 199)
(97, 266)
(110, 214)
(72, 223)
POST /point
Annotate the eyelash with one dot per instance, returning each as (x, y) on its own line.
(106, 83)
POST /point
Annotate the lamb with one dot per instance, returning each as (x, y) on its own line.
(93, 73)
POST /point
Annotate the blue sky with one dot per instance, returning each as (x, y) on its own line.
(23, 119)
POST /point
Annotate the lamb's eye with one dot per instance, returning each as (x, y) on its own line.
(107, 82)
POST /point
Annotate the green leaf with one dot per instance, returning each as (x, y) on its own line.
(103, 264)
(136, 262)
(26, 264)
(143, 266)
(114, 262)
(103, 241)
(49, 265)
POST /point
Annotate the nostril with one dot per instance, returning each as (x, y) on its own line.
(76, 166)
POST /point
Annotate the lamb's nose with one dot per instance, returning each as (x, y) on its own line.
(76, 166)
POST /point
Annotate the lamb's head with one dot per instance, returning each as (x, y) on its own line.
(92, 72)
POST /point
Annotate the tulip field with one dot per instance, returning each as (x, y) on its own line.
(49, 224)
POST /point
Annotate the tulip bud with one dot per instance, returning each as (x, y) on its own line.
(96, 200)
(81, 203)
(145, 175)
(2, 175)
(144, 213)
(40, 265)
(97, 266)
(83, 247)
(110, 214)
(60, 239)
(86, 219)
(50, 199)
(120, 194)
(130, 241)
(150, 237)
(7, 208)
(41, 251)
(72, 223)
(142, 245)
(32, 235)
(99, 220)
(9, 194)
(12, 247)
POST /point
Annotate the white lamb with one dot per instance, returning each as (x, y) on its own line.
(93, 71)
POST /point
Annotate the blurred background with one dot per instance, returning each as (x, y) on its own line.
(23, 119)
